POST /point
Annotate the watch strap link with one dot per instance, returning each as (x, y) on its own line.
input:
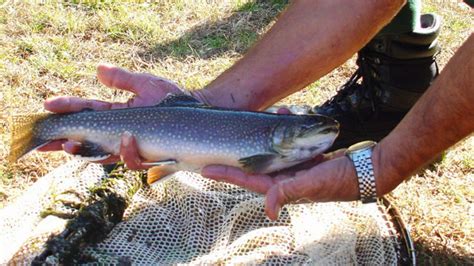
(365, 172)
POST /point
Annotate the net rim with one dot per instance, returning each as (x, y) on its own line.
(407, 255)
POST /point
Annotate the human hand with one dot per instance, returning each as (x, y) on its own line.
(148, 90)
(327, 178)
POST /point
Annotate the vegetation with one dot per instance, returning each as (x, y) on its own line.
(52, 48)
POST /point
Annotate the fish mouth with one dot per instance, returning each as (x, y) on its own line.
(319, 137)
(303, 141)
(329, 128)
(310, 142)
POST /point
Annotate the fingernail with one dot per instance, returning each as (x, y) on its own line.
(71, 146)
(104, 66)
(46, 103)
(283, 111)
(126, 138)
(138, 162)
(276, 213)
(75, 143)
(52, 104)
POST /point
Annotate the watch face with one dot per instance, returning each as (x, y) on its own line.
(362, 146)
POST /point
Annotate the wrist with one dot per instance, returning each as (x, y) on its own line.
(350, 176)
(387, 176)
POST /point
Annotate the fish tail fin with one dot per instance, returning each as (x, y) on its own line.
(23, 135)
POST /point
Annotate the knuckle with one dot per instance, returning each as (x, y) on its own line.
(87, 103)
(132, 165)
(226, 171)
(282, 195)
(287, 190)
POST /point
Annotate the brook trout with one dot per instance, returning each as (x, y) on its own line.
(184, 134)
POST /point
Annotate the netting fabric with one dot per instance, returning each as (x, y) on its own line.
(188, 219)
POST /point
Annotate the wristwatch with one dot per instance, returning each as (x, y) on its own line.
(361, 156)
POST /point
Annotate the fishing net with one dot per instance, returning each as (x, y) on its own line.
(186, 219)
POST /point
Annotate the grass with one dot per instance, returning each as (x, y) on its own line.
(49, 49)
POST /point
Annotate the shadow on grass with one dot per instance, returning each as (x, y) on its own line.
(427, 256)
(234, 34)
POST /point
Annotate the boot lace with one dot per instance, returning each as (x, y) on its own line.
(368, 73)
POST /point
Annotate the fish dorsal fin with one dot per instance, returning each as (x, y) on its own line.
(87, 109)
(172, 100)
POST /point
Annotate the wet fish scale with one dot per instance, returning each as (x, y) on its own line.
(192, 134)
(168, 129)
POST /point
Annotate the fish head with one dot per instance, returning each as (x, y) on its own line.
(309, 136)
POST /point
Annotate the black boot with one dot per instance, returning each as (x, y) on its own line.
(393, 72)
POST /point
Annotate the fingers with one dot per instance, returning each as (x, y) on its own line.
(259, 183)
(334, 154)
(284, 192)
(67, 104)
(129, 152)
(115, 77)
(55, 145)
(111, 77)
(284, 111)
(149, 90)
(71, 147)
(332, 180)
(291, 171)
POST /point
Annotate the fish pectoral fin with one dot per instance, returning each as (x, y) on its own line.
(257, 163)
(159, 170)
(87, 109)
(92, 152)
(158, 173)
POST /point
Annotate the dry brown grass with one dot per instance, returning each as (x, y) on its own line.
(52, 49)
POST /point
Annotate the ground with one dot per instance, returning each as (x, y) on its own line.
(52, 49)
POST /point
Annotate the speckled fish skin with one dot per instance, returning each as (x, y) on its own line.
(196, 136)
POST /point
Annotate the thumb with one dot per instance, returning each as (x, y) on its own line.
(284, 192)
(116, 77)
(334, 154)
(273, 202)
(333, 180)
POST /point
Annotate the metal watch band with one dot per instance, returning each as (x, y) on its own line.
(362, 160)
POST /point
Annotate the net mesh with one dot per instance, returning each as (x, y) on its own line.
(188, 219)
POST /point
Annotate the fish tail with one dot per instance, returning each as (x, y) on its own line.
(23, 135)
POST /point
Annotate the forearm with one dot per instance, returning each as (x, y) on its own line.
(442, 117)
(309, 39)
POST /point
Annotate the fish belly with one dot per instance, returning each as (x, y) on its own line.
(189, 156)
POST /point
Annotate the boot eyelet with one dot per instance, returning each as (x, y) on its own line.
(379, 47)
